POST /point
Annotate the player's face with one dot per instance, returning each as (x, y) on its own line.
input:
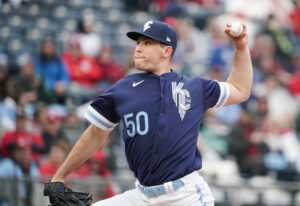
(148, 54)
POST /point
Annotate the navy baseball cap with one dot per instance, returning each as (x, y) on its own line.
(157, 30)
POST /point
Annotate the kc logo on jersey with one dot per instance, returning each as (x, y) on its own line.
(181, 98)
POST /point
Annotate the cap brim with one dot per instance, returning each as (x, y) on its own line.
(134, 35)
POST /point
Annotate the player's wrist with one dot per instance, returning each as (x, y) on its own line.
(240, 48)
(58, 179)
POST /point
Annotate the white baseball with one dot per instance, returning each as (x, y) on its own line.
(236, 29)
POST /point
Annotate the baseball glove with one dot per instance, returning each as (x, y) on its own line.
(60, 195)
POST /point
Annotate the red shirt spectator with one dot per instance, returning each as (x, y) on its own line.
(47, 169)
(294, 82)
(112, 71)
(81, 68)
(295, 18)
(58, 153)
(9, 139)
(96, 166)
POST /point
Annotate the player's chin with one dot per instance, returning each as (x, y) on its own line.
(140, 66)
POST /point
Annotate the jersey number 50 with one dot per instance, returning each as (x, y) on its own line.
(134, 127)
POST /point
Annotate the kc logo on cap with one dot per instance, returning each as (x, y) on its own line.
(147, 25)
(157, 30)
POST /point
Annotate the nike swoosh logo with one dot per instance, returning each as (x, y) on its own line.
(135, 84)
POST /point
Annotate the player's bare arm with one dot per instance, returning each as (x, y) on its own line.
(91, 140)
(241, 76)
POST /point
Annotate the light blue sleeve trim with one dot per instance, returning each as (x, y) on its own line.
(97, 119)
(224, 94)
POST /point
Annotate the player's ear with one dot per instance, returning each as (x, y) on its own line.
(167, 51)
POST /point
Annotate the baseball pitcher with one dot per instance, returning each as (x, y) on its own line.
(161, 111)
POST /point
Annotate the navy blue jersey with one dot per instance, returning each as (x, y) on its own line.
(161, 116)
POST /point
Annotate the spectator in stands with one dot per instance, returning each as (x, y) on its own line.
(221, 56)
(57, 154)
(284, 45)
(160, 4)
(73, 127)
(297, 125)
(53, 131)
(137, 5)
(259, 111)
(90, 42)
(279, 100)
(3, 75)
(174, 8)
(27, 87)
(295, 18)
(247, 147)
(193, 48)
(284, 147)
(84, 71)
(50, 68)
(21, 167)
(95, 167)
(112, 71)
(265, 60)
(294, 81)
(226, 115)
(7, 104)
(9, 138)
(263, 49)
(214, 135)
(39, 118)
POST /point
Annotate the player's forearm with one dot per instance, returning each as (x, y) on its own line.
(241, 76)
(91, 139)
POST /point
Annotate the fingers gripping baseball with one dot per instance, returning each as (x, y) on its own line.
(239, 38)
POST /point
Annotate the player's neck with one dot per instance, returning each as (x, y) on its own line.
(162, 72)
(162, 69)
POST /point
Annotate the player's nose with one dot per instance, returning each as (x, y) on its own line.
(138, 48)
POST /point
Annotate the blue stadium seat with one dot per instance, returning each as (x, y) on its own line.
(69, 25)
(111, 4)
(34, 34)
(15, 21)
(5, 32)
(63, 36)
(15, 45)
(6, 9)
(60, 12)
(76, 3)
(33, 9)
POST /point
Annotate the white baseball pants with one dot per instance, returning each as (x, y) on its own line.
(194, 192)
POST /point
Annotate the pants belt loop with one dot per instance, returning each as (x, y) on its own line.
(169, 187)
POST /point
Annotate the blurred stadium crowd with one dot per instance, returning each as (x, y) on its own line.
(55, 56)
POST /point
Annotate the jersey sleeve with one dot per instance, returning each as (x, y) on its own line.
(102, 111)
(215, 93)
